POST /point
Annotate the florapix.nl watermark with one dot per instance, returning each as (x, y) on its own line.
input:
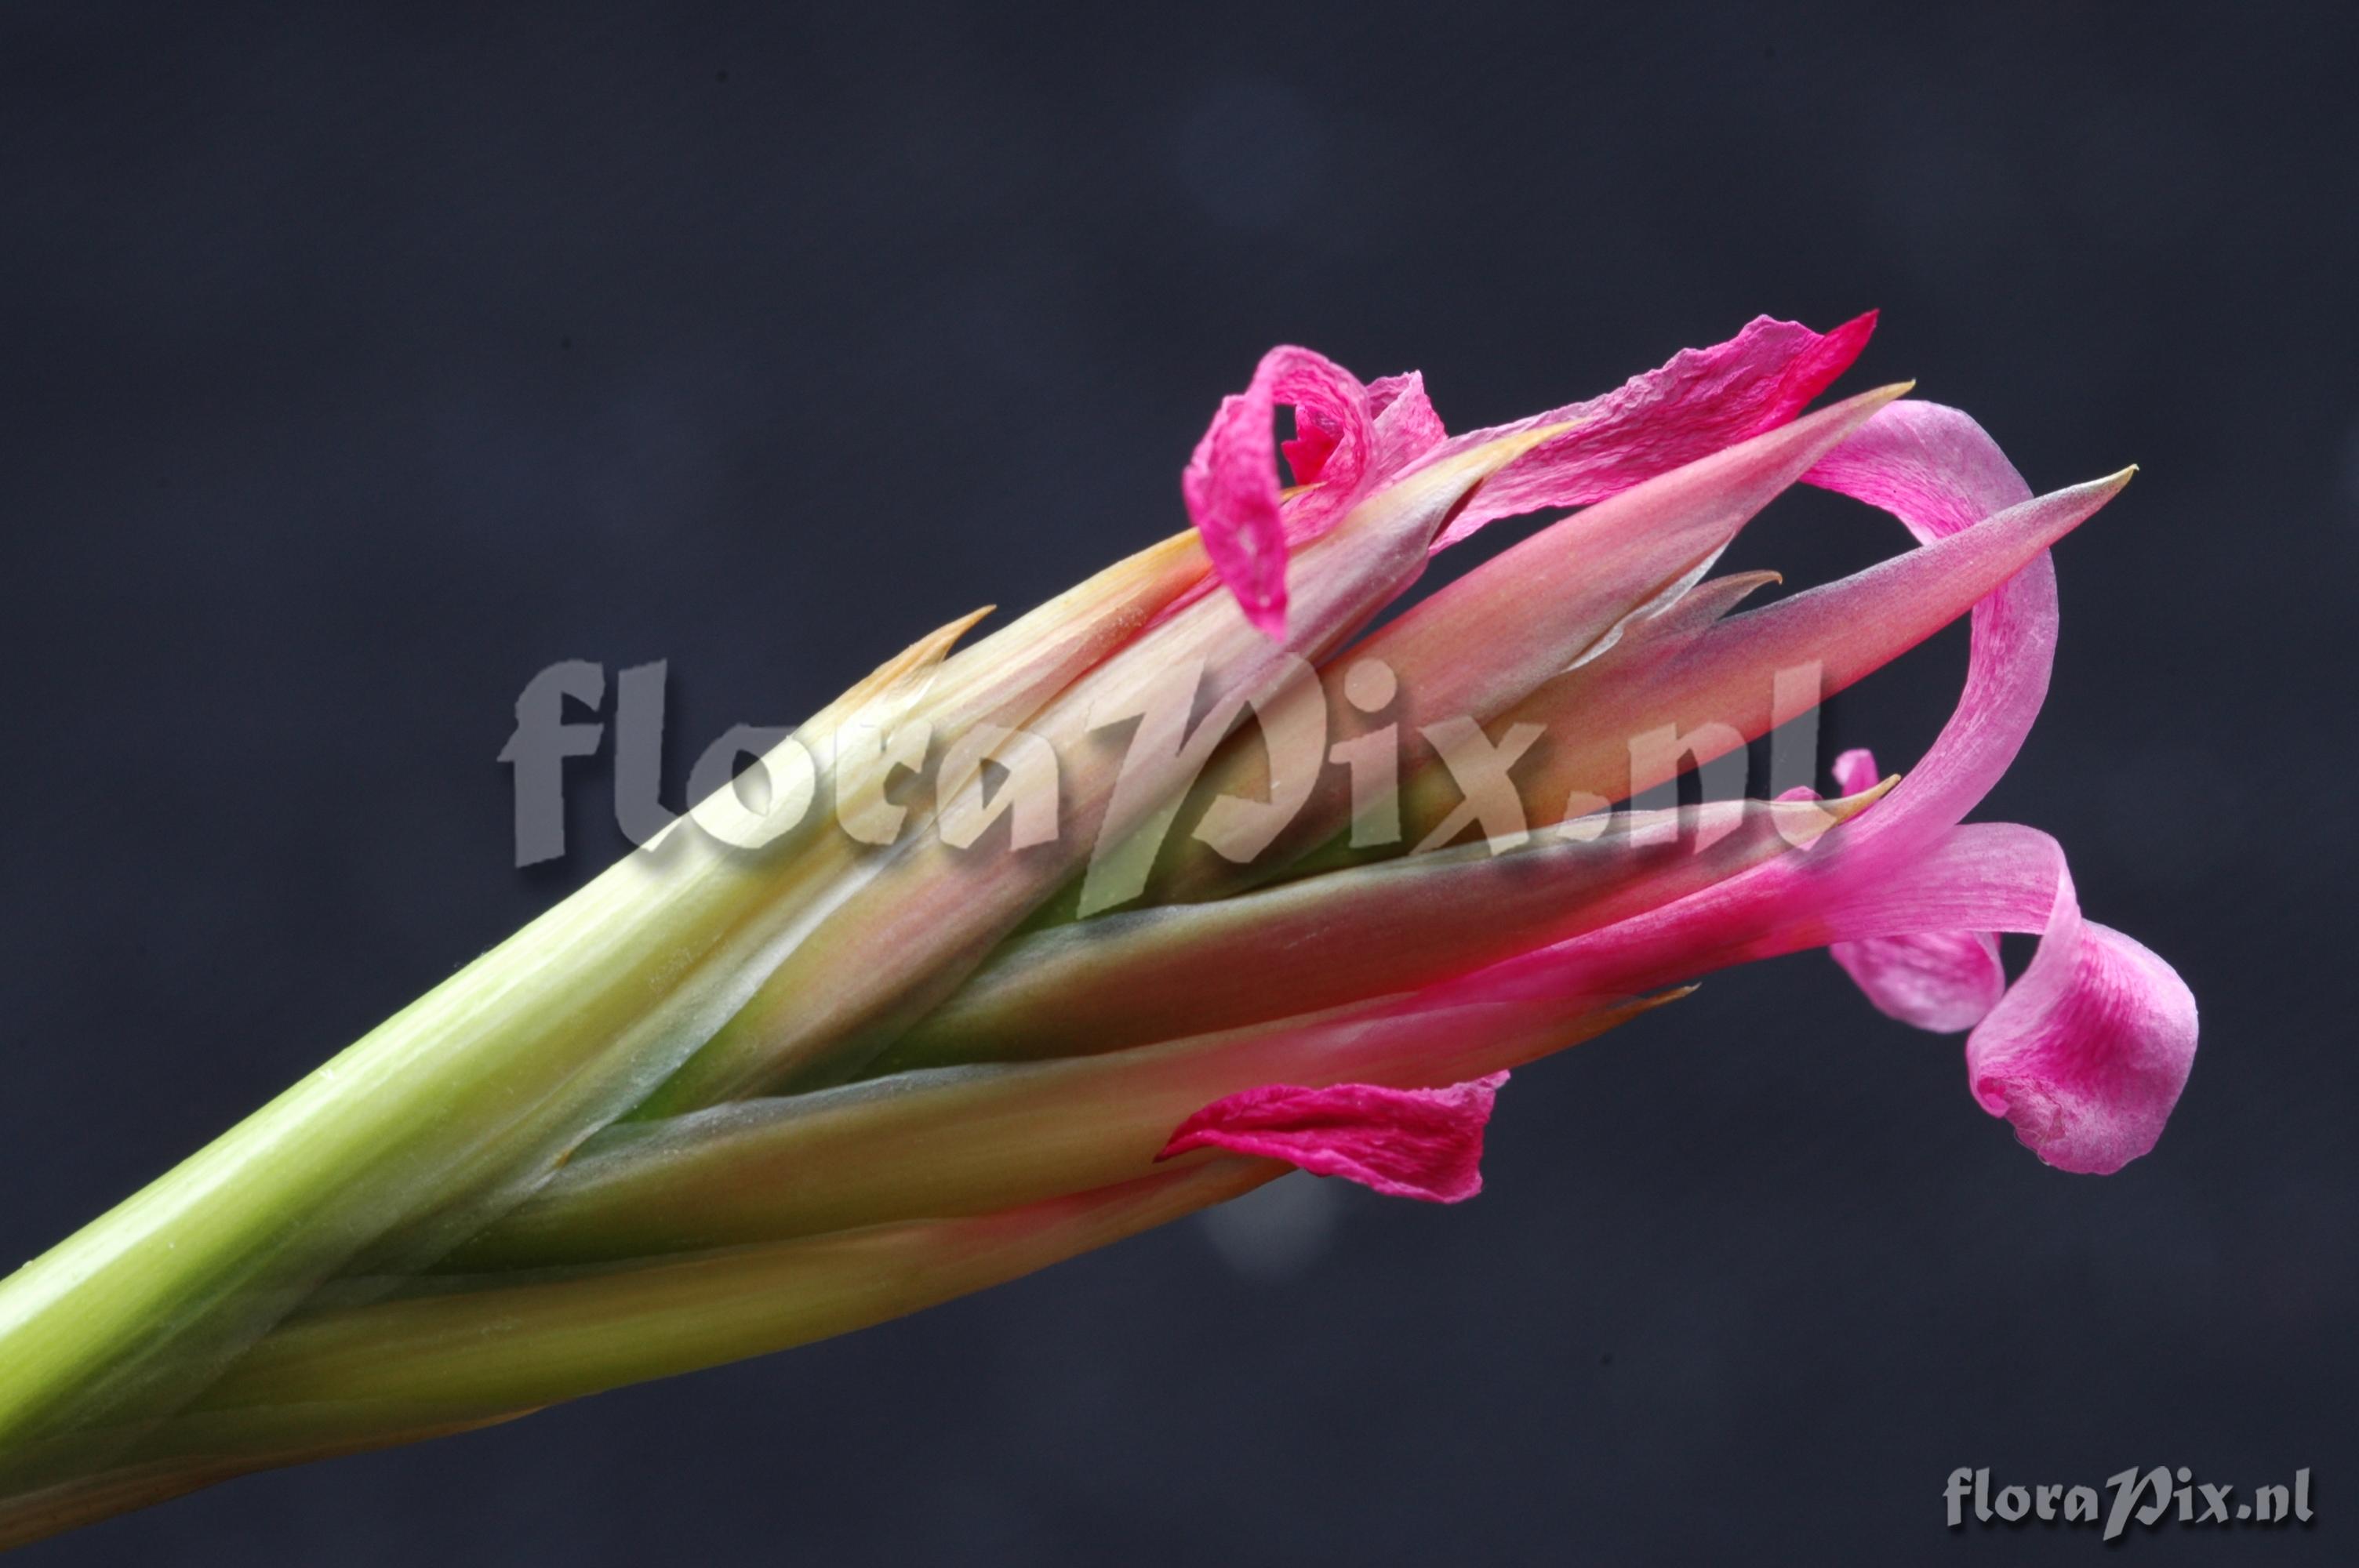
(880, 779)
(2150, 1497)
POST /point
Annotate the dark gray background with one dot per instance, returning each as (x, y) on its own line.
(354, 368)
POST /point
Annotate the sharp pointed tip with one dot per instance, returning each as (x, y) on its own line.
(2112, 484)
(1861, 405)
(1833, 813)
(1860, 327)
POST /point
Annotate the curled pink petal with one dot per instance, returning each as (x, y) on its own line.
(2087, 1054)
(1406, 1143)
(1406, 427)
(1939, 981)
(1231, 483)
(1702, 400)
(1719, 679)
(1350, 438)
(1937, 471)
(1942, 981)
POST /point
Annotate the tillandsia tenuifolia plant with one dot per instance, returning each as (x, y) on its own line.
(1182, 881)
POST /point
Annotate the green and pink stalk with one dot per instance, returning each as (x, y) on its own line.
(778, 1076)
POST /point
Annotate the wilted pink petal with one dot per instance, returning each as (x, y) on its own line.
(1407, 1143)
(2087, 1054)
(1407, 426)
(1943, 981)
(1231, 483)
(1936, 471)
(1940, 981)
(1702, 400)
(1351, 438)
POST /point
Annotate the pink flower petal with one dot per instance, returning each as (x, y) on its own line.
(1407, 1143)
(1939, 981)
(1231, 483)
(1407, 426)
(1720, 677)
(1351, 438)
(1570, 592)
(1942, 981)
(2086, 1055)
(1702, 400)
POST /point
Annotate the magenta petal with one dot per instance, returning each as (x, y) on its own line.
(1702, 400)
(1937, 471)
(1407, 1143)
(1855, 771)
(2089, 1052)
(1406, 427)
(1231, 483)
(1350, 438)
(2088, 1064)
(2087, 1055)
(1942, 981)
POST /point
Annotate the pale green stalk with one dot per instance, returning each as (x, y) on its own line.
(345, 1379)
(410, 1140)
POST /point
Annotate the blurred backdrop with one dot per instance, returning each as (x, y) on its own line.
(358, 366)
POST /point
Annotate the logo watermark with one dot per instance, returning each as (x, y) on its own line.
(881, 781)
(2148, 1497)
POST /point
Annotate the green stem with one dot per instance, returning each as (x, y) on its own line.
(472, 1352)
(428, 1126)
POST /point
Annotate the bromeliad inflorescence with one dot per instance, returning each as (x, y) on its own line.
(1178, 882)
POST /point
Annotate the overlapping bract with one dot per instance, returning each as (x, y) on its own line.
(733, 1096)
(2087, 1052)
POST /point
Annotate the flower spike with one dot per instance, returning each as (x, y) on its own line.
(732, 1096)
